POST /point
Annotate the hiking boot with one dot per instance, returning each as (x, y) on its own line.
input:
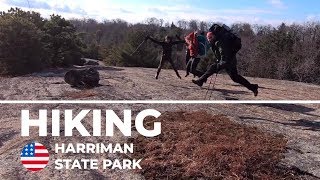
(156, 76)
(187, 75)
(255, 88)
(198, 82)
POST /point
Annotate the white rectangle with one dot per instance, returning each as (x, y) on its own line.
(34, 165)
(35, 158)
(41, 151)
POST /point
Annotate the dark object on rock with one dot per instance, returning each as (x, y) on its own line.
(79, 62)
(84, 78)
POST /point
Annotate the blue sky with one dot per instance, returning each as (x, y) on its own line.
(252, 11)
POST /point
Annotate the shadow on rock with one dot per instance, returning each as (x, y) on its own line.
(49, 73)
(292, 108)
(228, 92)
(87, 87)
(260, 87)
(310, 125)
(301, 123)
(7, 136)
(231, 98)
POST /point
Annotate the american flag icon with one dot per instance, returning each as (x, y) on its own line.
(34, 156)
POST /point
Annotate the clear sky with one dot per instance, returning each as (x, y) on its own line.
(228, 11)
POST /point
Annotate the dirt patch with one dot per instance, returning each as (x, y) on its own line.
(80, 95)
(199, 145)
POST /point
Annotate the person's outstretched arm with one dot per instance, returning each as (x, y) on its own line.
(179, 42)
(155, 41)
(179, 39)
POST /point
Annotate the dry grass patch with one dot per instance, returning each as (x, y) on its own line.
(199, 145)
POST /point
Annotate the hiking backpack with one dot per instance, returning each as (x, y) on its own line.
(203, 44)
(200, 44)
(235, 38)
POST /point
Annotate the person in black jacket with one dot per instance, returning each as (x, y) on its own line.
(225, 46)
(166, 53)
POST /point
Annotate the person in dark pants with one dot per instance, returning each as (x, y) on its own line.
(191, 61)
(225, 46)
(187, 56)
(193, 47)
(192, 67)
(167, 53)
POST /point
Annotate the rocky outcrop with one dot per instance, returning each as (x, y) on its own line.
(299, 123)
(83, 78)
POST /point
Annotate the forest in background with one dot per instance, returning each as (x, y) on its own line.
(29, 43)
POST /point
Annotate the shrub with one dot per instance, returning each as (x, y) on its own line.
(21, 49)
(62, 42)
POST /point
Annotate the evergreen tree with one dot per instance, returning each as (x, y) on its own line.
(62, 41)
(21, 49)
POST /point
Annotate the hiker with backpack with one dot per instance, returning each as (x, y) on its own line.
(166, 53)
(197, 46)
(225, 46)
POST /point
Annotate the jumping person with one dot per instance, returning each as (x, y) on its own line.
(167, 53)
(225, 46)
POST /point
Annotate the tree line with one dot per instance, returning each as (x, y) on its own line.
(30, 42)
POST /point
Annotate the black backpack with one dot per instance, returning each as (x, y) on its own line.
(224, 29)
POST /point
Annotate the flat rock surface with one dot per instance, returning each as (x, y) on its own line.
(299, 123)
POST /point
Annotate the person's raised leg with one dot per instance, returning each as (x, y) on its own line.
(174, 68)
(194, 66)
(233, 73)
(212, 69)
(188, 69)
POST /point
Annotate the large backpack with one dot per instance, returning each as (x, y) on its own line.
(224, 29)
(200, 44)
(216, 28)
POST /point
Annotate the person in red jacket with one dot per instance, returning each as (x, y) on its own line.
(193, 47)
